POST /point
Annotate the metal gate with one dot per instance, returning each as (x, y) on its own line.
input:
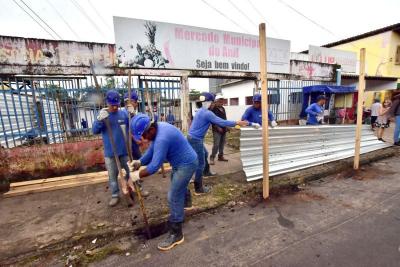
(45, 110)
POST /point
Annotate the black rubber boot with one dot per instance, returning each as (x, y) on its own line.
(200, 189)
(174, 237)
(188, 200)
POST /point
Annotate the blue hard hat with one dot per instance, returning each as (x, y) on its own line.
(206, 96)
(257, 98)
(112, 98)
(139, 124)
(134, 96)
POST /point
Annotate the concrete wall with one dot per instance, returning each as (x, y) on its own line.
(39, 56)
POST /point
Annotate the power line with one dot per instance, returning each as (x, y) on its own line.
(22, 1)
(100, 16)
(62, 18)
(241, 12)
(38, 23)
(304, 16)
(322, 27)
(263, 18)
(225, 16)
(79, 7)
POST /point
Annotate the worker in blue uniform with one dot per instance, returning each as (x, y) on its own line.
(253, 114)
(167, 143)
(198, 129)
(130, 109)
(119, 127)
(315, 112)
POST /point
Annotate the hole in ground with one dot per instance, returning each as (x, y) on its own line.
(155, 230)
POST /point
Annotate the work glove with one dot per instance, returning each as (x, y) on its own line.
(103, 114)
(134, 177)
(242, 123)
(274, 124)
(135, 165)
(255, 125)
(130, 109)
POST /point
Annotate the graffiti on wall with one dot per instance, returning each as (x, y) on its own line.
(38, 56)
(305, 70)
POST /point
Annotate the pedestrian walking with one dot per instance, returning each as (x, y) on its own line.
(118, 121)
(395, 112)
(253, 114)
(167, 143)
(219, 133)
(375, 109)
(198, 129)
(315, 111)
(170, 117)
(382, 122)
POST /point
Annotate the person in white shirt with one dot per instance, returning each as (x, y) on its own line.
(375, 108)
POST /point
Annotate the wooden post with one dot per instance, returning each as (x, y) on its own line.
(264, 108)
(184, 103)
(361, 88)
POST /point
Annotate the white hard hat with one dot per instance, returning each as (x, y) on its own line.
(219, 97)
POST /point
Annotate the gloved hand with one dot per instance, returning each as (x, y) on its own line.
(130, 109)
(103, 114)
(255, 125)
(242, 123)
(135, 165)
(134, 177)
(274, 124)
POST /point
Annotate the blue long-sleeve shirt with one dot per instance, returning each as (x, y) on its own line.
(313, 111)
(118, 120)
(169, 144)
(202, 121)
(254, 115)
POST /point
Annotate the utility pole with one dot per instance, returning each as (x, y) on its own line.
(264, 108)
(361, 88)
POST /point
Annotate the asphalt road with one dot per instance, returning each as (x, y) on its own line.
(343, 220)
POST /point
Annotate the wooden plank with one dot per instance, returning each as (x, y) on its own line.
(185, 103)
(264, 108)
(57, 179)
(53, 186)
(361, 88)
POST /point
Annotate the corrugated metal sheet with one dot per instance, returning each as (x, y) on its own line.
(299, 147)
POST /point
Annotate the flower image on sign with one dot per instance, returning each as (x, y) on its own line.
(151, 44)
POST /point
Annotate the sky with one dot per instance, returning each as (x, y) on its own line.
(303, 22)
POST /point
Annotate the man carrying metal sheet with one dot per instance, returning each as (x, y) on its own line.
(253, 114)
(167, 143)
(315, 111)
(116, 119)
(201, 122)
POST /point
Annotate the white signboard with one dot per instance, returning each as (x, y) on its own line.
(151, 44)
(346, 59)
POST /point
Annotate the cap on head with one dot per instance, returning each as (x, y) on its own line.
(139, 124)
(134, 96)
(257, 98)
(219, 96)
(206, 96)
(112, 98)
(321, 97)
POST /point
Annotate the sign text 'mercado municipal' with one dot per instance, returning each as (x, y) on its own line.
(151, 44)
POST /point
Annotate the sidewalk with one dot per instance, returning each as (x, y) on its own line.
(36, 221)
(53, 222)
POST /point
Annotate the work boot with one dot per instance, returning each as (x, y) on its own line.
(199, 189)
(397, 143)
(175, 237)
(212, 161)
(188, 200)
(113, 202)
(221, 158)
(209, 173)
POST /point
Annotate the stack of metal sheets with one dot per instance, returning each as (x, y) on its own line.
(297, 147)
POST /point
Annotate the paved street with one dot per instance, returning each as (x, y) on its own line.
(343, 220)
